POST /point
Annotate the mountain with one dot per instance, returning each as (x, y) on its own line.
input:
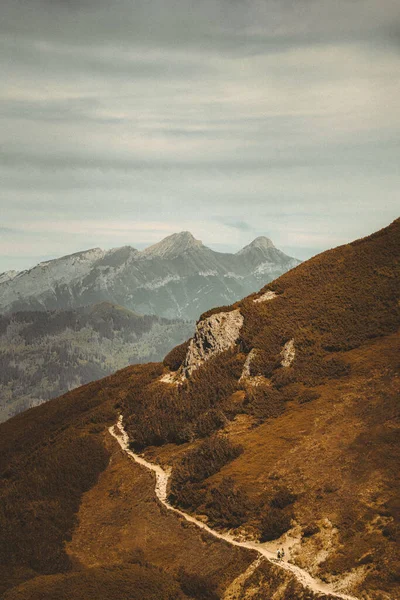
(279, 423)
(177, 278)
(46, 353)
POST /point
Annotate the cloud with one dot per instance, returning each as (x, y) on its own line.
(7, 231)
(240, 225)
(231, 119)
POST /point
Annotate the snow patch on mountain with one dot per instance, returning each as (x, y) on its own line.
(208, 273)
(231, 275)
(158, 283)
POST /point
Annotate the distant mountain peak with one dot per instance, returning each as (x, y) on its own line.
(261, 243)
(173, 245)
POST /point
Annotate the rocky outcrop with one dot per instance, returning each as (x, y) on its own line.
(288, 353)
(248, 380)
(213, 335)
(246, 367)
(265, 297)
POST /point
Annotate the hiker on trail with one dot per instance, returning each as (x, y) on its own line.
(282, 553)
(278, 555)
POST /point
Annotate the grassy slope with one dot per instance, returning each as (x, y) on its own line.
(341, 308)
(64, 480)
(324, 429)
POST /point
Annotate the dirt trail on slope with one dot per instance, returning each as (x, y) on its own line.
(162, 477)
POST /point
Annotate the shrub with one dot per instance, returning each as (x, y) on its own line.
(283, 498)
(156, 414)
(308, 395)
(273, 524)
(205, 460)
(283, 376)
(196, 586)
(209, 422)
(264, 402)
(263, 363)
(175, 358)
(228, 506)
(310, 530)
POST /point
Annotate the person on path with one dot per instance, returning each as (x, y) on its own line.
(282, 553)
(279, 554)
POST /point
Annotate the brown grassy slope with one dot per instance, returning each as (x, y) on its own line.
(334, 307)
(339, 455)
(130, 582)
(119, 516)
(335, 301)
(68, 512)
(50, 456)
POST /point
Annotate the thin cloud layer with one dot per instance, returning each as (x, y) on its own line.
(230, 119)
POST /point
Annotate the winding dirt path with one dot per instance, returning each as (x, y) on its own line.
(162, 477)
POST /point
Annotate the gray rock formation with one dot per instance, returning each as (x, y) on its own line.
(213, 335)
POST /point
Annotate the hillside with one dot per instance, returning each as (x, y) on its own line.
(280, 421)
(178, 277)
(46, 353)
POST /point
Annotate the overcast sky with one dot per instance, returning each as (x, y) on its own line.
(122, 121)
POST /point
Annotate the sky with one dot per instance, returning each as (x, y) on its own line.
(123, 122)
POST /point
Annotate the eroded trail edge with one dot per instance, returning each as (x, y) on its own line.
(162, 477)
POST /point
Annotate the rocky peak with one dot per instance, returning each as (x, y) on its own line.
(172, 246)
(260, 243)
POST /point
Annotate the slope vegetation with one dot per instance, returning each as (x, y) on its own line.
(288, 435)
(295, 428)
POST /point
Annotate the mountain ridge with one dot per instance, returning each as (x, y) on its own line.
(178, 277)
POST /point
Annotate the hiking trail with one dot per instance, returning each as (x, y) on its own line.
(162, 477)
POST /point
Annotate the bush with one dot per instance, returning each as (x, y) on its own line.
(209, 422)
(283, 498)
(202, 462)
(228, 506)
(283, 377)
(175, 358)
(274, 524)
(265, 403)
(308, 396)
(157, 414)
(196, 586)
(263, 363)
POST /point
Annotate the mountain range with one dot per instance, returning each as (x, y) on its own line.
(275, 426)
(178, 277)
